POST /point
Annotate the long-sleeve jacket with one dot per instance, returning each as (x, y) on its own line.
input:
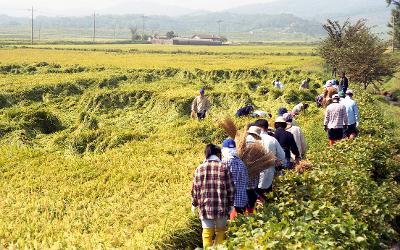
(201, 104)
(213, 190)
(271, 145)
(335, 116)
(287, 142)
(351, 110)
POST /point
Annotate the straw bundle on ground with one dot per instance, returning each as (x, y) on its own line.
(303, 166)
(229, 127)
(257, 159)
(193, 114)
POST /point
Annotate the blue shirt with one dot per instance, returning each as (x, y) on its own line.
(351, 110)
(240, 179)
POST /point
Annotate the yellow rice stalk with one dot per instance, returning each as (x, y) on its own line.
(303, 166)
(229, 127)
(193, 115)
(241, 142)
(257, 159)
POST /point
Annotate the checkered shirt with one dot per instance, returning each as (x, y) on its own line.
(213, 190)
(240, 179)
(335, 116)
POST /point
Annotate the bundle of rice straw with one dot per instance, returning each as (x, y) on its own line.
(257, 159)
(193, 115)
(229, 127)
(303, 166)
(254, 155)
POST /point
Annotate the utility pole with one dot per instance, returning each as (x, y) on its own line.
(32, 26)
(393, 21)
(115, 32)
(219, 27)
(143, 25)
(94, 27)
(40, 28)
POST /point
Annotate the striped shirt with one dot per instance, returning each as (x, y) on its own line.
(213, 190)
(240, 179)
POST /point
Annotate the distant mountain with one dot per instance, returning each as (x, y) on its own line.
(240, 26)
(145, 8)
(376, 11)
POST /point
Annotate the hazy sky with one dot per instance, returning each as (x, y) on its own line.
(101, 4)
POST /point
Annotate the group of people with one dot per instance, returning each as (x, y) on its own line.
(341, 118)
(341, 115)
(222, 187)
(333, 87)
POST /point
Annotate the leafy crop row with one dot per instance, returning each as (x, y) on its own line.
(350, 199)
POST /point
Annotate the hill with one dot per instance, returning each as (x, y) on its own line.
(235, 26)
(376, 12)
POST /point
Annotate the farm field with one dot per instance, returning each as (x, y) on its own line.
(97, 149)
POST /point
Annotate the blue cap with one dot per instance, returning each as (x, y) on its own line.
(201, 91)
(282, 111)
(229, 143)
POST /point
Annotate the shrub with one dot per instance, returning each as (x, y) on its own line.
(292, 96)
(275, 93)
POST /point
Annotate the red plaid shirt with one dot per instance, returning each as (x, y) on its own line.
(213, 190)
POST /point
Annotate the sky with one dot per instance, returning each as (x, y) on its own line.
(59, 5)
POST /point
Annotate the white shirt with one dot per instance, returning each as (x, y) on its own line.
(298, 138)
(271, 145)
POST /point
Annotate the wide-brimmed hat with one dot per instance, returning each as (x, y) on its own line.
(287, 117)
(280, 119)
(254, 130)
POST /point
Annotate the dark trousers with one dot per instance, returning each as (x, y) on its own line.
(240, 210)
(252, 198)
(201, 115)
(335, 134)
(261, 192)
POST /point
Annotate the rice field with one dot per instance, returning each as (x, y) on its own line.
(97, 149)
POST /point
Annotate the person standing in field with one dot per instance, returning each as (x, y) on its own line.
(335, 120)
(213, 193)
(201, 105)
(305, 84)
(287, 142)
(297, 134)
(239, 174)
(352, 115)
(344, 82)
(271, 145)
